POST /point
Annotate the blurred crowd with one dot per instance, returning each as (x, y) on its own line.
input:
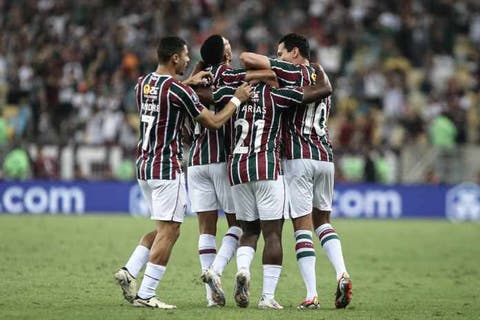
(404, 72)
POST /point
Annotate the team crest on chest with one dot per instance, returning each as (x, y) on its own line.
(256, 97)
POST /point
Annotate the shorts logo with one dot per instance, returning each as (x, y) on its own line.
(462, 202)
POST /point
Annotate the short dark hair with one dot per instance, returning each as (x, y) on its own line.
(213, 50)
(293, 40)
(168, 46)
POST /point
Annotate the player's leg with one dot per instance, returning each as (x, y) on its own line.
(270, 196)
(168, 209)
(327, 235)
(229, 244)
(245, 253)
(207, 222)
(300, 184)
(204, 203)
(272, 262)
(212, 275)
(247, 216)
(127, 275)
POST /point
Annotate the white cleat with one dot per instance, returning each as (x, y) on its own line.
(211, 278)
(127, 283)
(152, 302)
(269, 304)
(212, 304)
(242, 288)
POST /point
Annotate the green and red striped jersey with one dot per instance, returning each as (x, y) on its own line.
(162, 105)
(258, 122)
(213, 146)
(305, 132)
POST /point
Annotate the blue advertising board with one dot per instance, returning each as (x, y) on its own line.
(460, 202)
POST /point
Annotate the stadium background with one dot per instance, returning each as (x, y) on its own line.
(406, 102)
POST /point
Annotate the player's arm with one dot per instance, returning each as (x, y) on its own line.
(212, 120)
(321, 89)
(253, 60)
(265, 75)
(199, 78)
(198, 67)
(205, 95)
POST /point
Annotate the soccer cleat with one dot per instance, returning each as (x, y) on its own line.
(212, 304)
(343, 296)
(242, 288)
(127, 283)
(152, 302)
(309, 304)
(211, 278)
(269, 304)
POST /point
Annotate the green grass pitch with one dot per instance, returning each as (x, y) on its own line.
(61, 267)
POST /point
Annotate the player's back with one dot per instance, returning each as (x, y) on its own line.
(258, 122)
(162, 103)
(306, 134)
(212, 146)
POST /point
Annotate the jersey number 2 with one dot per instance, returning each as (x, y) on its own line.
(259, 125)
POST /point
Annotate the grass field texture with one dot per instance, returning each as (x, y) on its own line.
(61, 267)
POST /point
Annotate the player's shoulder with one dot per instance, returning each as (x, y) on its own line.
(274, 62)
(178, 85)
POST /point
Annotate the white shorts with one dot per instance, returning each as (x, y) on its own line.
(209, 188)
(310, 184)
(167, 199)
(264, 200)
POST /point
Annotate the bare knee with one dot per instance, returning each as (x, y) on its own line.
(167, 231)
(207, 222)
(251, 232)
(232, 220)
(303, 223)
(320, 217)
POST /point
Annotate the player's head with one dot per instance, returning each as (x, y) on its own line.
(293, 47)
(216, 50)
(173, 50)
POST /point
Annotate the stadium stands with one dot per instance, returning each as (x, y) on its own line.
(67, 70)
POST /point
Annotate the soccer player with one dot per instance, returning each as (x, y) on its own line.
(254, 171)
(208, 185)
(309, 168)
(163, 102)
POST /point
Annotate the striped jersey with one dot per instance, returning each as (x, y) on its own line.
(212, 146)
(162, 105)
(256, 147)
(305, 132)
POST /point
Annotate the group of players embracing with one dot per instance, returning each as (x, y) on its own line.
(260, 152)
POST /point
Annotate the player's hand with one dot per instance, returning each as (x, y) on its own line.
(200, 78)
(198, 67)
(244, 92)
(318, 70)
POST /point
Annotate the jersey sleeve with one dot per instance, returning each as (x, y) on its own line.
(288, 74)
(287, 97)
(184, 97)
(233, 77)
(223, 95)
